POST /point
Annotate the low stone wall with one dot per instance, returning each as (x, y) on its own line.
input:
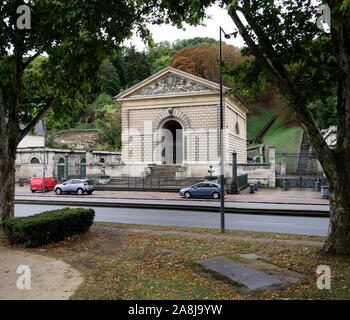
(256, 171)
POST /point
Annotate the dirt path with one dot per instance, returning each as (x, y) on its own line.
(50, 279)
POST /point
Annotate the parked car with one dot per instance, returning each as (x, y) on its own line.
(202, 189)
(78, 186)
(37, 184)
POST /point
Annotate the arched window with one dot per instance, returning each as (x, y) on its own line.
(102, 160)
(83, 168)
(34, 160)
(60, 168)
(237, 128)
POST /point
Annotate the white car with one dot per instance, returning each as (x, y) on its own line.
(77, 186)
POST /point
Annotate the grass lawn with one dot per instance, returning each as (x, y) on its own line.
(122, 261)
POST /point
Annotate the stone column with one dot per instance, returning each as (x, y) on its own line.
(272, 161)
(284, 165)
(66, 166)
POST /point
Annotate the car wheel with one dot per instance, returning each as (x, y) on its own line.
(80, 191)
(216, 195)
(90, 192)
(187, 194)
(46, 189)
(32, 191)
(58, 191)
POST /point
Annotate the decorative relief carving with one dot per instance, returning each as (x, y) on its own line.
(171, 84)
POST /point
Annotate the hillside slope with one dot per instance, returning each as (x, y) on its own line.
(284, 134)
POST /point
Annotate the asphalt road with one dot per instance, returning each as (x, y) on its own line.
(198, 219)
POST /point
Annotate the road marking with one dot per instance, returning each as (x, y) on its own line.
(268, 223)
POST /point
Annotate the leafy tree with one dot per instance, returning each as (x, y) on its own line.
(161, 54)
(184, 43)
(104, 115)
(203, 59)
(109, 78)
(304, 63)
(325, 112)
(137, 67)
(75, 37)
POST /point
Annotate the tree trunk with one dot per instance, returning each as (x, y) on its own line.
(7, 187)
(338, 241)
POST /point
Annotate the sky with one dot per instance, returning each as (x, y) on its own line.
(219, 17)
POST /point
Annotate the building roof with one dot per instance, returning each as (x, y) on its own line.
(174, 82)
(38, 129)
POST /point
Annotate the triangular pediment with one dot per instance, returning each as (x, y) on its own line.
(169, 82)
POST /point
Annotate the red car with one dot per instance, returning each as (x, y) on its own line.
(37, 184)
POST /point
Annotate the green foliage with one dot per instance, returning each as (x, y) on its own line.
(103, 114)
(108, 77)
(49, 226)
(291, 39)
(75, 38)
(137, 66)
(325, 111)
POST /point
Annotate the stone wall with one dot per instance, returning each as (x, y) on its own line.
(78, 139)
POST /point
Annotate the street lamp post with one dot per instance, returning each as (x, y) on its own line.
(222, 164)
(45, 165)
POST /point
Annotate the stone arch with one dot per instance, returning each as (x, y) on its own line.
(35, 160)
(171, 113)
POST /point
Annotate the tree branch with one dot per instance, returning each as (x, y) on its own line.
(252, 46)
(30, 60)
(36, 119)
(280, 77)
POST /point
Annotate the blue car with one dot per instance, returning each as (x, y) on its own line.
(202, 189)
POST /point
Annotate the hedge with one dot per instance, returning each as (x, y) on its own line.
(47, 227)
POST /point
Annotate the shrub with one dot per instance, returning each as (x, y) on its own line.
(49, 226)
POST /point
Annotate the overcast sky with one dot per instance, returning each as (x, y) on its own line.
(219, 17)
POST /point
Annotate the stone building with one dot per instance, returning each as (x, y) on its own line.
(63, 163)
(171, 120)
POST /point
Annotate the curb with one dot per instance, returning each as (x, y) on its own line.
(184, 207)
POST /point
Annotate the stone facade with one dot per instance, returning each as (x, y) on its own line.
(32, 158)
(172, 118)
(66, 163)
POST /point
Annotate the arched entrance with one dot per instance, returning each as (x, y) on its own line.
(172, 142)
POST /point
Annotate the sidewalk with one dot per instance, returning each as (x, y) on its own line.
(293, 196)
(50, 279)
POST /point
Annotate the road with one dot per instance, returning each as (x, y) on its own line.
(191, 205)
(198, 219)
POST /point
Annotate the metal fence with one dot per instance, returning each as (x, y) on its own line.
(301, 182)
(151, 183)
